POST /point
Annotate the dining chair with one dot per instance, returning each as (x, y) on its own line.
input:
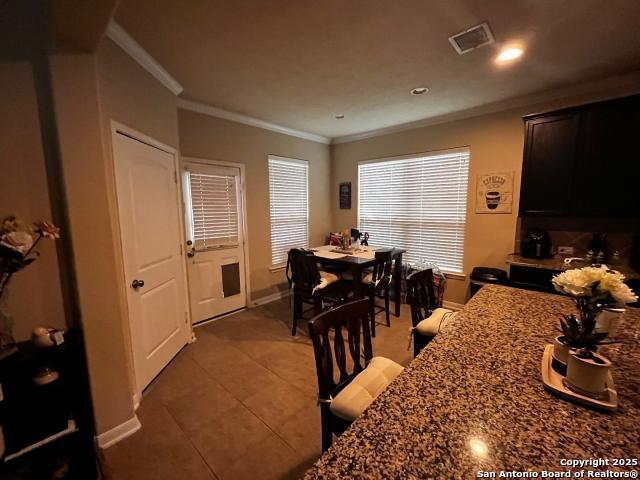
(311, 285)
(427, 315)
(344, 395)
(376, 285)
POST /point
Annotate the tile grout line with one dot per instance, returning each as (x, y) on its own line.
(188, 437)
(245, 406)
(242, 402)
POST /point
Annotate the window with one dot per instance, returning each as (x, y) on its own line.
(417, 203)
(213, 212)
(288, 197)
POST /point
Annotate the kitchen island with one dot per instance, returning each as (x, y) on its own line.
(473, 401)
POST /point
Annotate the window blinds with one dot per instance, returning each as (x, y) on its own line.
(214, 210)
(418, 204)
(288, 207)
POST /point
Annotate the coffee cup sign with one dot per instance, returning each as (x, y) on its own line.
(494, 193)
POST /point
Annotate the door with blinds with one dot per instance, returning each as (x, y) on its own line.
(215, 245)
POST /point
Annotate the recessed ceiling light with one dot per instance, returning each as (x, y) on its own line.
(509, 54)
(339, 116)
(419, 91)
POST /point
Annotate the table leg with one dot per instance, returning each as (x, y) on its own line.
(356, 272)
(397, 283)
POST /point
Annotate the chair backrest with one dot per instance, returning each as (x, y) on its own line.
(302, 270)
(421, 295)
(382, 269)
(354, 316)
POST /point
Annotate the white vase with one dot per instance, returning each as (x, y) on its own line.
(560, 350)
(608, 321)
(587, 376)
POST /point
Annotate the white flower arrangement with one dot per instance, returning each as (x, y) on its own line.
(592, 288)
(599, 283)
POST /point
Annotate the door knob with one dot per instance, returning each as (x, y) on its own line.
(137, 284)
(191, 251)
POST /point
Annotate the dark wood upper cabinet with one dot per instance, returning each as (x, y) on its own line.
(582, 162)
(549, 157)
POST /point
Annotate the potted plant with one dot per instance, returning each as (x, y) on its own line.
(17, 251)
(587, 372)
(593, 290)
(577, 333)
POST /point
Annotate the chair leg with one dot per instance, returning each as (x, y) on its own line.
(372, 312)
(297, 311)
(386, 307)
(327, 436)
(317, 306)
(419, 342)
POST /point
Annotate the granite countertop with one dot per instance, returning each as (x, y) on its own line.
(474, 400)
(557, 263)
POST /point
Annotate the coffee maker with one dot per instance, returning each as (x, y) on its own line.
(536, 244)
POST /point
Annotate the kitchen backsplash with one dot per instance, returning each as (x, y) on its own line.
(578, 232)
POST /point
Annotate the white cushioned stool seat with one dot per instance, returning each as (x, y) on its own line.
(364, 388)
(429, 327)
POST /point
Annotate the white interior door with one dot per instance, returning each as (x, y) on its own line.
(148, 204)
(215, 245)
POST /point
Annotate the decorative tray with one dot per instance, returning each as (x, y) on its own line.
(554, 382)
(345, 250)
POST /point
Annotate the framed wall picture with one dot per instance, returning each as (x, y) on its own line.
(345, 195)
(494, 193)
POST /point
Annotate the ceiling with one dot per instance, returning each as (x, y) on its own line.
(299, 63)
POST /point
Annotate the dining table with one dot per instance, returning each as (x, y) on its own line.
(359, 259)
(472, 404)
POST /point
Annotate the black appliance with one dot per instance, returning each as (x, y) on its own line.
(598, 245)
(481, 276)
(536, 244)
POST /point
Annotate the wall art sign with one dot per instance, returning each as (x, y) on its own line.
(345, 195)
(494, 192)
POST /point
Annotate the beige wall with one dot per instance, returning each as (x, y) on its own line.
(213, 138)
(95, 254)
(496, 144)
(35, 297)
(91, 91)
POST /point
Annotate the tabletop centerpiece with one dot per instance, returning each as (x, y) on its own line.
(598, 292)
(17, 251)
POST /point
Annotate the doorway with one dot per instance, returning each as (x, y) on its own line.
(215, 225)
(151, 237)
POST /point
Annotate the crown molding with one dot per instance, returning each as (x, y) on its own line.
(125, 41)
(253, 122)
(577, 94)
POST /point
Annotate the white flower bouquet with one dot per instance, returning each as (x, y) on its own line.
(593, 288)
(17, 245)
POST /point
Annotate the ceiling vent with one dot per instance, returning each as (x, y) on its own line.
(472, 38)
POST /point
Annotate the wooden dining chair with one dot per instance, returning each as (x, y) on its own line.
(344, 395)
(427, 316)
(312, 285)
(376, 285)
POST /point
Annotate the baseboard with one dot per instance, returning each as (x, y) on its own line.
(136, 401)
(269, 298)
(452, 305)
(120, 432)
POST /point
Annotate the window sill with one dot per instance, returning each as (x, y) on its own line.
(278, 268)
(454, 275)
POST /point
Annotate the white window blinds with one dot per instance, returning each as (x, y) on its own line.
(214, 210)
(418, 204)
(288, 199)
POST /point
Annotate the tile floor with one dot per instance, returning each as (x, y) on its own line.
(238, 403)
